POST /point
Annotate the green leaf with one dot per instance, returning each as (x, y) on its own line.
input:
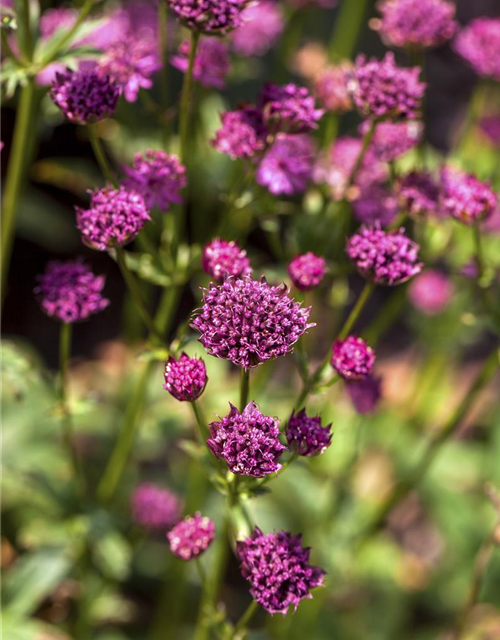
(112, 555)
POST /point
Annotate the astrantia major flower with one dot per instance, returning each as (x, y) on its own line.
(375, 203)
(465, 197)
(242, 133)
(262, 25)
(306, 436)
(211, 63)
(222, 259)
(331, 86)
(185, 378)
(289, 108)
(307, 271)
(418, 193)
(352, 358)
(430, 292)
(210, 16)
(191, 536)
(365, 393)
(393, 139)
(155, 507)
(479, 44)
(287, 165)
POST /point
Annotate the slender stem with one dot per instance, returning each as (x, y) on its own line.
(476, 230)
(185, 103)
(26, 41)
(15, 175)
(348, 24)
(7, 48)
(356, 310)
(245, 619)
(244, 387)
(472, 115)
(201, 572)
(361, 156)
(102, 161)
(163, 51)
(200, 421)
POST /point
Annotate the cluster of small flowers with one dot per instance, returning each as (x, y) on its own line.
(185, 378)
(479, 44)
(155, 508)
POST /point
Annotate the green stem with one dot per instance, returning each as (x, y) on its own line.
(472, 115)
(348, 24)
(367, 139)
(200, 421)
(476, 230)
(15, 175)
(244, 387)
(163, 51)
(7, 48)
(102, 161)
(201, 572)
(185, 103)
(26, 40)
(245, 619)
(356, 310)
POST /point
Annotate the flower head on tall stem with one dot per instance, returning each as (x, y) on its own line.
(210, 16)
(352, 358)
(211, 64)
(222, 259)
(307, 271)
(479, 44)
(393, 139)
(306, 435)
(185, 378)
(287, 165)
(465, 197)
(242, 134)
(331, 86)
(289, 108)
(431, 292)
(418, 193)
(277, 567)
(365, 393)
(191, 536)
(375, 203)
(155, 507)
(262, 25)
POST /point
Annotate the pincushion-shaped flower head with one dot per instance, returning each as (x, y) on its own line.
(287, 166)
(185, 378)
(307, 271)
(210, 16)
(385, 257)
(84, 96)
(289, 108)
(352, 358)
(331, 86)
(479, 44)
(393, 139)
(306, 436)
(375, 203)
(211, 64)
(191, 536)
(154, 507)
(115, 216)
(222, 259)
(242, 133)
(416, 23)
(70, 292)
(418, 193)
(248, 442)
(381, 89)
(158, 177)
(277, 567)
(465, 197)
(431, 292)
(262, 25)
(365, 393)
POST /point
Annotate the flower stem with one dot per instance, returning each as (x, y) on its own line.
(200, 421)
(185, 103)
(361, 156)
(348, 24)
(356, 310)
(102, 161)
(245, 619)
(162, 33)
(244, 387)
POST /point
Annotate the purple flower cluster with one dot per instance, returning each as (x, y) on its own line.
(158, 177)
(331, 86)
(211, 63)
(465, 197)
(185, 378)
(289, 108)
(249, 321)
(479, 44)
(352, 358)
(386, 257)
(262, 25)
(365, 393)
(248, 442)
(242, 134)
(114, 216)
(278, 569)
(431, 292)
(393, 139)
(210, 16)
(84, 96)
(375, 203)
(191, 536)
(307, 271)
(306, 436)
(70, 292)
(222, 259)
(154, 507)
(416, 23)
(418, 193)
(381, 89)
(287, 165)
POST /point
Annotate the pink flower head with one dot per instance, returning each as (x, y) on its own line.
(222, 259)
(352, 358)
(154, 507)
(365, 393)
(191, 536)
(211, 64)
(465, 197)
(242, 134)
(185, 378)
(431, 292)
(306, 436)
(375, 203)
(307, 271)
(393, 139)
(210, 16)
(332, 88)
(262, 25)
(158, 177)
(289, 108)
(418, 193)
(479, 44)
(286, 168)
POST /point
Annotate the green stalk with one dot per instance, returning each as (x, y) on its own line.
(25, 40)
(245, 619)
(102, 161)
(23, 131)
(200, 421)
(244, 387)
(356, 310)
(349, 22)
(162, 32)
(361, 156)
(185, 103)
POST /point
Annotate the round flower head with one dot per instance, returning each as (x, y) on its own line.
(154, 507)
(416, 23)
(277, 567)
(465, 197)
(365, 393)
(306, 436)
(352, 358)
(185, 378)
(287, 166)
(158, 177)
(70, 292)
(393, 139)
(261, 28)
(242, 134)
(385, 257)
(375, 203)
(307, 271)
(84, 96)
(211, 64)
(431, 292)
(114, 216)
(222, 259)
(249, 321)
(191, 536)
(209, 16)
(418, 193)
(479, 44)
(381, 89)
(332, 88)
(248, 442)
(289, 108)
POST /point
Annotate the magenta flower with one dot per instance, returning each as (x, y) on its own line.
(365, 393)
(307, 271)
(416, 23)
(289, 108)
(332, 88)
(381, 89)
(385, 257)
(418, 193)
(278, 569)
(393, 139)
(479, 44)
(114, 216)
(465, 197)
(248, 442)
(158, 177)
(84, 97)
(242, 134)
(185, 378)
(431, 292)
(262, 25)
(211, 64)
(375, 203)
(352, 358)
(191, 536)
(306, 436)
(249, 321)
(154, 507)
(286, 168)
(222, 259)
(210, 16)
(70, 292)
